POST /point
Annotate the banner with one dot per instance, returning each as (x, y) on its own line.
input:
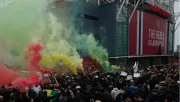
(153, 34)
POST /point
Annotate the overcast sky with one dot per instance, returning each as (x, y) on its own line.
(177, 33)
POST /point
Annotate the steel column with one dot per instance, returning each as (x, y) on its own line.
(177, 27)
(99, 2)
(119, 11)
(134, 11)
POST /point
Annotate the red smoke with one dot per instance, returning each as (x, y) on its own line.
(33, 79)
(7, 76)
(33, 56)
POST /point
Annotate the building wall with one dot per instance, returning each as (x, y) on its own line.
(107, 15)
(134, 33)
(119, 38)
(116, 30)
(86, 20)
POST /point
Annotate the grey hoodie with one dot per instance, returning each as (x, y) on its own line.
(114, 93)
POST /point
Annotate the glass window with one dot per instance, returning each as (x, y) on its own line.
(122, 34)
(170, 39)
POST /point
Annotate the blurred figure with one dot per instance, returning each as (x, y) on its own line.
(114, 93)
(169, 99)
(1, 98)
(128, 99)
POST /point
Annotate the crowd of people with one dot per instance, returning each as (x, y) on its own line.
(158, 83)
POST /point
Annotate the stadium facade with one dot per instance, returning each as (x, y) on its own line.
(130, 30)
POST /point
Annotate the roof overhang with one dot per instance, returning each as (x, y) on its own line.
(116, 57)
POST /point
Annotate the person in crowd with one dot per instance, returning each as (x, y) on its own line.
(158, 83)
(169, 99)
(46, 98)
(24, 97)
(132, 88)
(114, 93)
(1, 99)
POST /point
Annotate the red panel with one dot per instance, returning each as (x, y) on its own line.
(90, 64)
(133, 34)
(154, 34)
(89, 60)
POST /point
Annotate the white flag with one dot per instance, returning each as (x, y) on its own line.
(135, 67)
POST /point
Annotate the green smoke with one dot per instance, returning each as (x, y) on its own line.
(19, 23)
(24, 21)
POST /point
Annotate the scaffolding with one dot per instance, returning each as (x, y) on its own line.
(167, 5)
(176, 17)
(133, 3)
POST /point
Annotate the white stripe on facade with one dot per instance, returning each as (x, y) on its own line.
(142, 19)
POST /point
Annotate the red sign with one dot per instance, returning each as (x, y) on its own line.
(160, 11)
(154, 34)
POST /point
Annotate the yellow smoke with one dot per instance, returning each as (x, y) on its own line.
(54, 60)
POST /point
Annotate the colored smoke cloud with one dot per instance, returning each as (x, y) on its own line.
(7, 75)
(39, 21)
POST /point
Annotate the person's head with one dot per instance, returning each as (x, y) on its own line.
(26, 89)
(3, 87)
(62, 90)
(1, 98)
(154, 91)
(23, 94)
(156, 86)
(52, 87)
(97, 101)
(128, 99)
(10, 85)
(78, 92)
(169, 99)
(10, 88)
(137, 96)
(17, 88)
(132, 82)
(12, 97)
(144, 85)
(45, 93)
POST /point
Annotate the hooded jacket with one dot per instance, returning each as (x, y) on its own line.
(114, 93)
